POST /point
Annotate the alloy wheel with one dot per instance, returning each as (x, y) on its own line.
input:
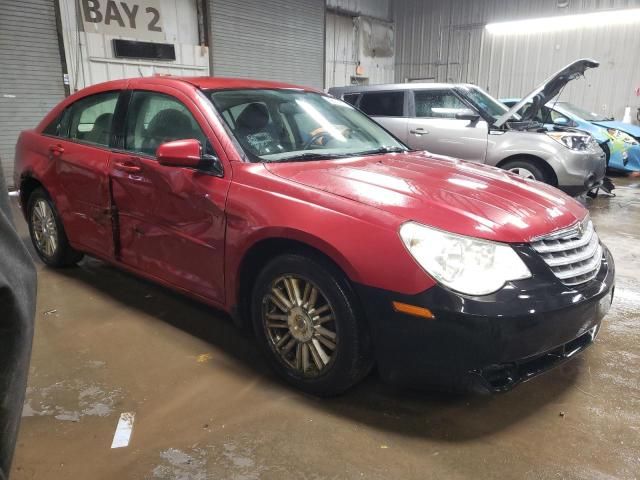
(45, 230)
(300, 324)
(523, 172)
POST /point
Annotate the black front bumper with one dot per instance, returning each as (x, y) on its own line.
(489, 343)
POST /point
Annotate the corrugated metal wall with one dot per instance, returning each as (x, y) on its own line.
(30, 72)
(346, 47)
(359, 32)
(447, 41)
(279, 40)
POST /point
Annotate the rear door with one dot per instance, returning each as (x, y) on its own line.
(79, 148)
(433, 126)
(171, 220)
(389, 109)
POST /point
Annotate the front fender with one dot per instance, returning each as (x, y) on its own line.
(362, 240)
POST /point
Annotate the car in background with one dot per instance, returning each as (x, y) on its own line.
(621, 148)
(311, 224)
(463, 121)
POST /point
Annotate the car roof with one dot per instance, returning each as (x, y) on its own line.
(385, 87)
(205, 83)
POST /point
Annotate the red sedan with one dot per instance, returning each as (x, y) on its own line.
(308, 221)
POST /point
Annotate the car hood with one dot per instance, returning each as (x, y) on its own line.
(633, 130)
(453, 195)
(548, 89)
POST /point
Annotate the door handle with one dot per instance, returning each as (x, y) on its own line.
(419, 131)
(55, 151)
(128, 167)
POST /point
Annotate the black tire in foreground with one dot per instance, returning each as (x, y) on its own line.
(307, 322)
(47, 232)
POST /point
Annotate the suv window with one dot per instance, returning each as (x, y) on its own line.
(383, 104)
(90, 118)
(437, 104)
(155, 118)
(351, 98)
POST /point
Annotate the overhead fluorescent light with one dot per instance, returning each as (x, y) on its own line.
(565, 22)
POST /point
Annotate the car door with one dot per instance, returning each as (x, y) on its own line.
(433, 126)
(171, 220)
(388, 109)
(79, 150)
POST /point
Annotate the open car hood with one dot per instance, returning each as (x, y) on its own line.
(547, 90)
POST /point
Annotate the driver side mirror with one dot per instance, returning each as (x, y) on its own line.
(467, 114)
(180, 153)
(561, 121)
(187, 153)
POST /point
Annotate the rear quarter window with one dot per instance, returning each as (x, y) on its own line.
(383, 104)
(351, 98)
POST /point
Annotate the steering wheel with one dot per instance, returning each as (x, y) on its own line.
(315, 139)
(324, 134)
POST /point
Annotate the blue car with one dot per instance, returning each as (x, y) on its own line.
(620, 141)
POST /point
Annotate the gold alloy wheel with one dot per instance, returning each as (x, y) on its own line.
(45, 230)
(300, 325)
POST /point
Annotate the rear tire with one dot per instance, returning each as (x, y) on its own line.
(47, 232)
(527, 169)
(306, 320)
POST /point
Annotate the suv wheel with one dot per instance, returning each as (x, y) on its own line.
(526, 169)
(306, 321)
(47, 233)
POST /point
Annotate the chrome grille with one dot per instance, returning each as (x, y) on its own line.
(574, 255)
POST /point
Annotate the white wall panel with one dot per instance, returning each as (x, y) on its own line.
(380, 9)
(447, 41)
(353, 40)
(90, 57)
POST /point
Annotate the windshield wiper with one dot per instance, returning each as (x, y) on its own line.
(310, 156)
(381, 150)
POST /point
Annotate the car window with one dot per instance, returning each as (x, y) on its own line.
(437, 104)
(351, 98)
(60, 126)
(289, 125)
(91, 118)
(155, 118)
(383, 104)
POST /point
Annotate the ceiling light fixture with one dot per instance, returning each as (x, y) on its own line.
(565, 22)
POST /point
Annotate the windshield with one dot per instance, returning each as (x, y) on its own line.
(290, 125)
(485, 102)
(579, 112)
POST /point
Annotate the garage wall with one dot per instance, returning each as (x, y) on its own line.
(446, 42)
(88, 46)
(280, 40)
(30, 73)
(354, 41)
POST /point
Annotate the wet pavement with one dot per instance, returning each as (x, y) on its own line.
(206, 406)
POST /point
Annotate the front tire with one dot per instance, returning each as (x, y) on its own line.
(306, 320)
(47, 232)
(527, 169)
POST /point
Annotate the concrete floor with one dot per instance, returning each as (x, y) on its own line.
(206, 406)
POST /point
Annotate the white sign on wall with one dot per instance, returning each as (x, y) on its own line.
(137, 19)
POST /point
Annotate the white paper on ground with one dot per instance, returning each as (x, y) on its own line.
(123, 430)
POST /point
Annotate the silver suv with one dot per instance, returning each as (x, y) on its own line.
(463, 121)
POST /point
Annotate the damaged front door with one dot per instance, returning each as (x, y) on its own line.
(171, 220)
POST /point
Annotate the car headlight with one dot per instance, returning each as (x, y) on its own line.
(464, 264)
(623, 136)
(572, 140)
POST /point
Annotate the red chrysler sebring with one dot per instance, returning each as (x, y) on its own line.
(306, 220)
